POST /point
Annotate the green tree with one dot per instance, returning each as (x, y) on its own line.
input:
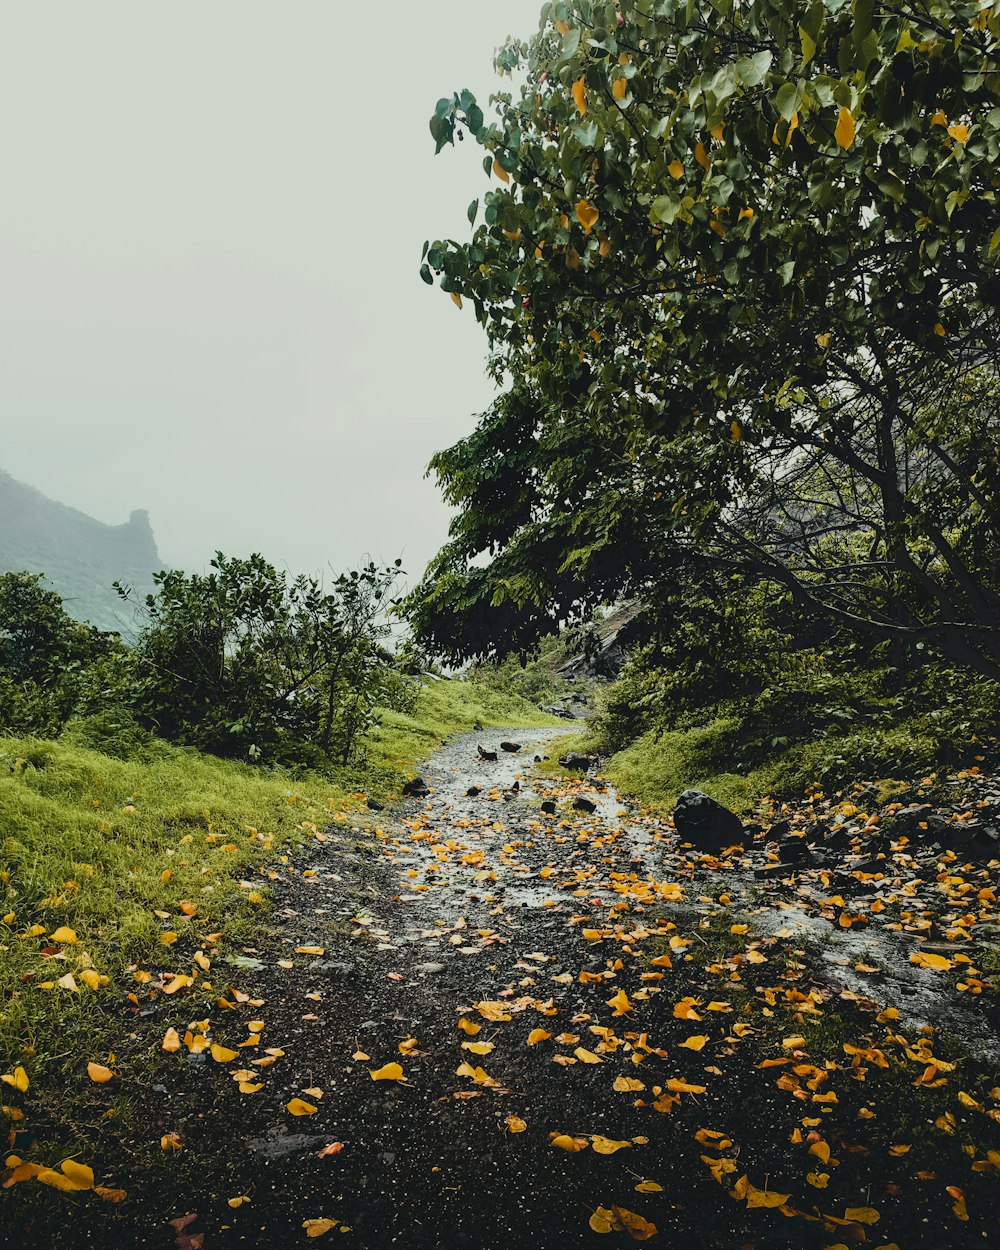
(50, 664)
(245, 661)
(731, 248)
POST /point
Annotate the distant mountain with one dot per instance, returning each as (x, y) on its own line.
(79, 556)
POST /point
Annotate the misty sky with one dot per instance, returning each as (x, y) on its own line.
(212, 217)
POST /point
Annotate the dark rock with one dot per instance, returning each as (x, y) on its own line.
(781, 829)
(576, 763)
(486, 755)
(699, 819)
(415, 789)
(549, 807)
(581, 804)
(793, 850)
(472, 792)
(375, 807)
(511, 747)
(478, 727)
(773, 870)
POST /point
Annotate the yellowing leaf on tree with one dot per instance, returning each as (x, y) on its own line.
(736, 431)
(619, 88)
(844, 134)
(65, 936)
(587, 215)
(580, 95)
(456, 299)
(959, 133)
(675, 169)
(298, 1106)
(99, 1073)
(701, 156)
(388, 1072)
(500, 172)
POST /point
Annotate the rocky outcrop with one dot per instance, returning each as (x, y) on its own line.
(80, 557)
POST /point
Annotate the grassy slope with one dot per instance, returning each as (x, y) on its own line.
(657, 767)
(99, 845)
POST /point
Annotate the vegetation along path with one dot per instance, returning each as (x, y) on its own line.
(479, 1023)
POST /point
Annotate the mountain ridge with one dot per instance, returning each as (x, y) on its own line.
(79, 556)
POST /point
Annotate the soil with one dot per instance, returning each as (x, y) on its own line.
(455, 900)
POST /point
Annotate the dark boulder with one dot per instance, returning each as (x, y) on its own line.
(575, 762)
(581, 804)
(549, 807)
(511, 747)
(415, 789)
(375, 807)
(472, 792)
(698, 818)
(486, 755)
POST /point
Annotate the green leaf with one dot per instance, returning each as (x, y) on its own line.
(788, 99)
(752, 70)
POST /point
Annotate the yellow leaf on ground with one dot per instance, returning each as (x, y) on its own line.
(64, 935)
(536, 1036)
(696, 1042)
(99, 1073)
(222, 1054)
(862, 1215)
(587, 1056)
(388, 1072)
(298, 1106)
(620, 1003)
(317, 1227)
(572, 1145)
(468, 1027)
(627, 1085)
(515, 1124)
(607, 1145)
(478, 1048)
(310, 950)
(18, 1079)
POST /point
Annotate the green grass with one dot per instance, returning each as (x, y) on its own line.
(99, 845)
(658, 766)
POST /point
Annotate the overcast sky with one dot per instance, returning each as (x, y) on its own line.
(212, 216)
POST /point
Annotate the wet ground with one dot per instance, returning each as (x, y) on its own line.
(709, 1046)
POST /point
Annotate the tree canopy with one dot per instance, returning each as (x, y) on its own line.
(732, 247)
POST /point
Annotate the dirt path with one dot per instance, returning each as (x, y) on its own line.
(684, 1032)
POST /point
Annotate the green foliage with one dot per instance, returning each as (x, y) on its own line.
(49, 662)
(248, 663)
(742, 263)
